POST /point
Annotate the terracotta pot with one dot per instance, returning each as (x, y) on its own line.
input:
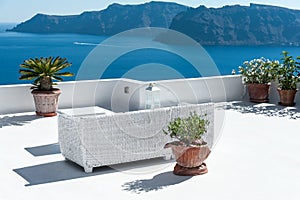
(46, 102)
(258, 93)
(287, 97)
(189, 156)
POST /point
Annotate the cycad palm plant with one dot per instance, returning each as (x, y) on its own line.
(44, 71)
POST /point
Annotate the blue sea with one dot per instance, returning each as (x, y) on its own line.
(143, 64)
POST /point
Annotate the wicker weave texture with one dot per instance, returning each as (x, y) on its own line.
(98, 140)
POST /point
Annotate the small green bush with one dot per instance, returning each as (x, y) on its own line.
(288, 72)
(188, 130)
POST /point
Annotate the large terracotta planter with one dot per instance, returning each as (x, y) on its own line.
(287, 97)
(258, 93)
(46, 102)
(190, 159)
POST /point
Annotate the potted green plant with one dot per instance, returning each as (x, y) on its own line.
(287, 73)
(257, 75)
(189, 148)
(43, 71)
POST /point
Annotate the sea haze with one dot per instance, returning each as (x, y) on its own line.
(17, 47)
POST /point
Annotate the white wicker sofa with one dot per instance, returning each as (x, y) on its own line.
(107, 138)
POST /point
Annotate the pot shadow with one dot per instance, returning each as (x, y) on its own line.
(158, 182)
(266, 109)
(17, 120)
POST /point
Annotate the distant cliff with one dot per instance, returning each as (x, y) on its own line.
(240, 25)
(115, 19)
(229, 25)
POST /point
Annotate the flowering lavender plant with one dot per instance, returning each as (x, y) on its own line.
(258, 71)
(288, 72)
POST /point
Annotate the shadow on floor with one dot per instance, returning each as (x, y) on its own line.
(44, 150)
(67, 170)
(17, 120)
(265, 109)
(158, 182)
(57, 171)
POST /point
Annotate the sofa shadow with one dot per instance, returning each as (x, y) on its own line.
(57, 171)
(266, 109)
(44, 150)
(67, 170)
(158, 182)
(17, 120)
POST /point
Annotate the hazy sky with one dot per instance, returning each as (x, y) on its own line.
(22, 10)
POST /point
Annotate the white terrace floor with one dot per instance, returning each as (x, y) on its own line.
(257, 157)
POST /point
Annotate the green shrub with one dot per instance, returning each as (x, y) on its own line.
(188, 130)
